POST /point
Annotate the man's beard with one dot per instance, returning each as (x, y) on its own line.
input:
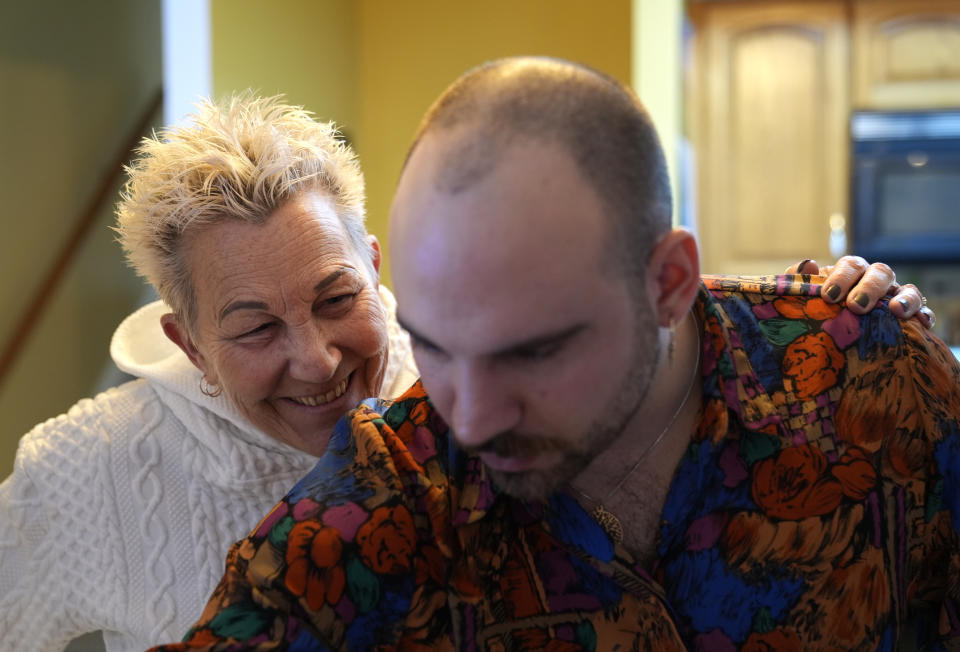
(577, 455)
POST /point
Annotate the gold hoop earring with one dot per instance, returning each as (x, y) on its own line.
(209, 389)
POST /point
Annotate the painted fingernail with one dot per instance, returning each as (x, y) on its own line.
(803, 263)
(904, 303)
(833, 292)
(862, 300)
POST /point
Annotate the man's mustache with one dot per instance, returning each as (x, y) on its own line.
(513, 444)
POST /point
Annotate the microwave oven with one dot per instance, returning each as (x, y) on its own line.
(906, 185)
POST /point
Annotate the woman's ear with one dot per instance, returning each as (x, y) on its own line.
(178, 334)
(673, 275)
(375, 255)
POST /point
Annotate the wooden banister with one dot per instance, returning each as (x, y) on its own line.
(85, 221)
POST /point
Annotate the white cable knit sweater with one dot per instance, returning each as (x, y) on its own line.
(119, 513)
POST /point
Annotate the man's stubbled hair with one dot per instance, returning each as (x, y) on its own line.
(598, 120)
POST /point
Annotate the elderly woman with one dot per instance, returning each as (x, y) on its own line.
(250, 225)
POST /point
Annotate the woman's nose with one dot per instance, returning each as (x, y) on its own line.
(313, 354)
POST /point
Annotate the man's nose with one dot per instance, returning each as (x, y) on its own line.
(483, 405)
(313, 353)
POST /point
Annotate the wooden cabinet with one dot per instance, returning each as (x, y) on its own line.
(770, 89)
(906, 53)
(768, 103)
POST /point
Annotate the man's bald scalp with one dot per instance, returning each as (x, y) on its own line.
(593, 116)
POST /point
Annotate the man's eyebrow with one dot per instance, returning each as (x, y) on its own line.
(415, 335)
(326, 282)
(513, 349)
(540, 340)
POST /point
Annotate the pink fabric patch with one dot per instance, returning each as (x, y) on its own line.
(734, 469)
(844, 329)
(347, 518)
(346, 609)
(423, 446)
(704, 532)
(305, 508)
(765, 311)
(715, 641)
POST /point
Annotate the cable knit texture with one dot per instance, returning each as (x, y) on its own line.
(119, 513)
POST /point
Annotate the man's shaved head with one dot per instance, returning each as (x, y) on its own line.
(599, 121)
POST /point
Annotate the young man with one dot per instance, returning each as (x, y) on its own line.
(614, 454)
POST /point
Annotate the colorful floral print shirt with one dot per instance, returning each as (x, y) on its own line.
(816, 508)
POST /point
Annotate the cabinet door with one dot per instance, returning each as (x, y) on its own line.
(906, 53)
(768, 106)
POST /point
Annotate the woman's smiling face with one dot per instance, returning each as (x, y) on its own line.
(289, 319)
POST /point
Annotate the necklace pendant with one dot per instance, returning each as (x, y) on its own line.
(609, 522)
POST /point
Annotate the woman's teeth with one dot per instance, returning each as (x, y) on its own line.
(320, 399)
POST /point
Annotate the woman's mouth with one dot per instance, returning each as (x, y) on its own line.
(322, 399)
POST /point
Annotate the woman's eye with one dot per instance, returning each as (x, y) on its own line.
(337, 303)
(259, 330)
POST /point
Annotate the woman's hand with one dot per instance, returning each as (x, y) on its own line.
(862, 284)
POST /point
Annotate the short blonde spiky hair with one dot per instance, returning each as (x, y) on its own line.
(240, 159)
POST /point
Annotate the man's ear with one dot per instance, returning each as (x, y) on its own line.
(673, 275)
(375, 255)
(178, 334)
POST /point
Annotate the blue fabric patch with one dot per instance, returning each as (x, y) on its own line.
(571, 524)
(947, 454)
(880, 330)
(331, 479)
(704, 590)
(596, 584)
(305, 642)
(763, 355)
(377, 626)
(699, 475)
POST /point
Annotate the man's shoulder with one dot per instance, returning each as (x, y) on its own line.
(778, 309)
(777, 333)
(794, 285)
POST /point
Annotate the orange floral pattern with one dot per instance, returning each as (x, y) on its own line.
(794, 486)
(313, 555)
(812, 363)
(387, 540)
(800, 482)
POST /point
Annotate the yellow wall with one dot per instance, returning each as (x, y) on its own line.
(301, 48)
(374, 66)
(74, 78)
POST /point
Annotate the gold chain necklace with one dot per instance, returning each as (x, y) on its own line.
(603, 516)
